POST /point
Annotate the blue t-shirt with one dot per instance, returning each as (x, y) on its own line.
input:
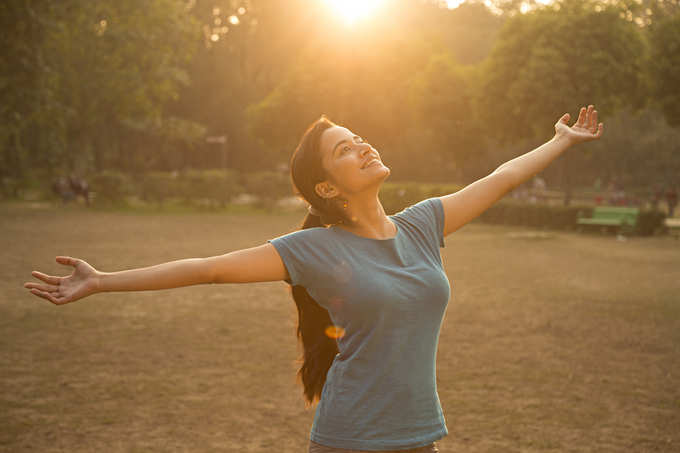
(389, 296)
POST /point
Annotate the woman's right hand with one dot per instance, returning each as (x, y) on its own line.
(83, 282)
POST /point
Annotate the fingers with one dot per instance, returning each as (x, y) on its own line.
(581, 117)
(585, 117)
(57, 300)
(565, 118)
(46, 278)
(50, 288)
(593, 122)
(600, 128)
(67, 260)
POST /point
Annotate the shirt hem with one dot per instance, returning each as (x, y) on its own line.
(378, 445)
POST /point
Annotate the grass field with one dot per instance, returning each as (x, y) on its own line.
(553, 343)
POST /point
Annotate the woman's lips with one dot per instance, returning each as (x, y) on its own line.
(372, 162)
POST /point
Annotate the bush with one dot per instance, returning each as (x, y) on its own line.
(396, 196)
(268, 186)
(158, 186)
(649, 222)
(217, 185)
(533, 215)
(560, 217)
(111, 186)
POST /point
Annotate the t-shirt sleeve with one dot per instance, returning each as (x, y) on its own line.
(427, 216)
(301, 253)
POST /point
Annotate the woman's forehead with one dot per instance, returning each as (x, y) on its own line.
(332, 136)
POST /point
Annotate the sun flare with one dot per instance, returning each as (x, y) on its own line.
(354, 10)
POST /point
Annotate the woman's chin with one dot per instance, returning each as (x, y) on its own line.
(386, 172)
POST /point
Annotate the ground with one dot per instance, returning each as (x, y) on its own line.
(553, 342)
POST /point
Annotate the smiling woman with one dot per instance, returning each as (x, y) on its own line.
(354, 10)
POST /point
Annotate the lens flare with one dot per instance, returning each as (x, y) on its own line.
(335, 332)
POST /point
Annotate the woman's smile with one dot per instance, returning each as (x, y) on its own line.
(373, 161)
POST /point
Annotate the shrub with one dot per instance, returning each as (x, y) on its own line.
(396, 196)
(560, 217)
(533, 215)
(217, 185)
(649, 222)
(158, 186)
(268, 186)
(111, 186)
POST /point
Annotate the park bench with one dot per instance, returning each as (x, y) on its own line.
(673, 226)
(622, 218)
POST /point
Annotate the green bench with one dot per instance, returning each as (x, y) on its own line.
(623, 219)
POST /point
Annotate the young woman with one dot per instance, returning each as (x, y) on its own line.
(369, 288)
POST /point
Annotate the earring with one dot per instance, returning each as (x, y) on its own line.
(344, 204)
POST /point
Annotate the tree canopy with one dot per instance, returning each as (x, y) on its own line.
(110, 84)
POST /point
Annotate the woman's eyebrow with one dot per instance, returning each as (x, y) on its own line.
(343, 141)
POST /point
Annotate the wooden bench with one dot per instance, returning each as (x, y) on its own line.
(623, 218)
(673, 227)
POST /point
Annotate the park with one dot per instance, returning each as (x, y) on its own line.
(551, 342)
(134, 136)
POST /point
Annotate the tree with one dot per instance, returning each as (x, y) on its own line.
(664, 65)
(100, 73)
(547, 61)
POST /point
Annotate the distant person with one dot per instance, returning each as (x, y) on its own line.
(539, 187)
(657, 194)
(597, 187)
(69, 188)
(671, 199)
(80, 187)
(370, 289)
(63, 190)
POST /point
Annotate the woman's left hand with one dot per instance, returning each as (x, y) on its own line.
(585, 129)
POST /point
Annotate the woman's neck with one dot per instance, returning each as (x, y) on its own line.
(368, 219)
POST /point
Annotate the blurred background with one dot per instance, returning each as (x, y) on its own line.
(133, 97)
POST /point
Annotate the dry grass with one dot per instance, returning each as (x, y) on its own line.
(560, 342)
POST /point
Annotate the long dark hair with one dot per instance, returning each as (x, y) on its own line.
(319, 349)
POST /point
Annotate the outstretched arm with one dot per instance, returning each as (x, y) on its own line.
(466, 204)
(527, 165)
(256, 264)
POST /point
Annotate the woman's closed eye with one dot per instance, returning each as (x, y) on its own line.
(357, 140)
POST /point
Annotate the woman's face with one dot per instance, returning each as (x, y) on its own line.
(351, 164)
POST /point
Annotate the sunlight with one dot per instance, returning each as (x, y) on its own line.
(453, 4)
(354, 10)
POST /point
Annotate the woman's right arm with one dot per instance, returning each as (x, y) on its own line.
(256, 264)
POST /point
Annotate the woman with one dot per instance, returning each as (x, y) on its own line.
(370, 288)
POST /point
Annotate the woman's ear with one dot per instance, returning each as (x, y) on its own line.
(325, 190)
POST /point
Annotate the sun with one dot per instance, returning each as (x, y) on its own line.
(353, 10)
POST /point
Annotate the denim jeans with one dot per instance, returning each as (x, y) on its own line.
(318, 448)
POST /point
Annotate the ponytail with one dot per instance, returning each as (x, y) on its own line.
(318, 348)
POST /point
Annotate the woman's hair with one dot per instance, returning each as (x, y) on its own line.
(319, 349)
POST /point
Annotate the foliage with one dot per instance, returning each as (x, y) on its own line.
(397, 196)
(556, 58)
(640, 149)
(159, 186)
(218, 185)
(101, 73)
(111, 186)
(268, 186)
(443, 94)
(664, 62)
(560, 217)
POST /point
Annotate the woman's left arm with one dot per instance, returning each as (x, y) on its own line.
(466, 204)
